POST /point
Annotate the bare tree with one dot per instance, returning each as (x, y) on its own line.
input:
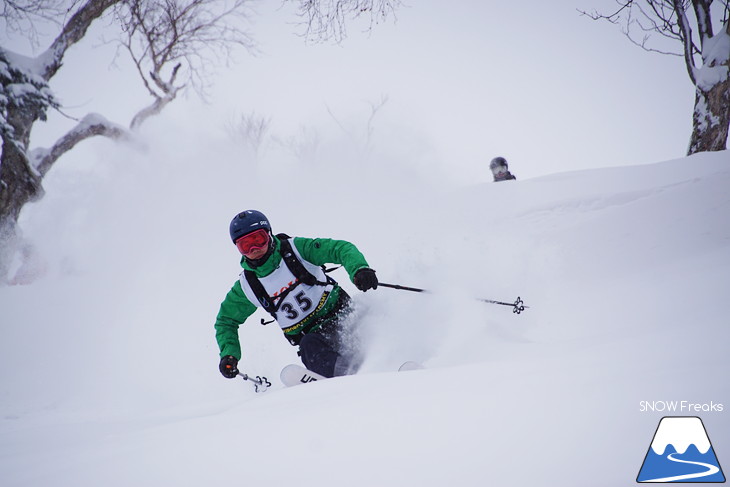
(325, 20)
(374, 109)
(701, 31)
(303, 146)
(164, 36)
(250, 130)
(173, 45)
(369, 129)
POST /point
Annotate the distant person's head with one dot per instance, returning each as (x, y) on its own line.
(499, 166)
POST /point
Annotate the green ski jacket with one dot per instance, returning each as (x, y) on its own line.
(236, 307)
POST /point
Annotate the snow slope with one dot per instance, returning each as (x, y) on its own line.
(108, 364)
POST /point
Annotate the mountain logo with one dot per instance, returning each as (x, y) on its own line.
(681, 452)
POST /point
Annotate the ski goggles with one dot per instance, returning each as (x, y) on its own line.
(253, 241)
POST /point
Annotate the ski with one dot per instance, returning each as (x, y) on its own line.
(410, 365)
(294, 375)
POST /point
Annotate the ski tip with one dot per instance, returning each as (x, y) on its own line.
(292, 375)
(410, 365)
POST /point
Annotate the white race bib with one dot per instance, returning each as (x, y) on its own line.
(299, 303)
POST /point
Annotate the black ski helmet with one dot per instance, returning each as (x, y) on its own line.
(247, 222)
(498, 161)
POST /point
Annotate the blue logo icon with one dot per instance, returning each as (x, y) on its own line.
(681, 452)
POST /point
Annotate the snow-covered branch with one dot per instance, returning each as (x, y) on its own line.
(91, 125)
(154, 109)
(702, 13)
(73, 31)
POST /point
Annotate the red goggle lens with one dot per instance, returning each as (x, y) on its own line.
(253, 241)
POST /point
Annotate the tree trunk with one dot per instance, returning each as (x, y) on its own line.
(19, 184)
(711, 119)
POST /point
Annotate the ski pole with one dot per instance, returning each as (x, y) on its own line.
(404, 288)
(517, 307)
(260, 383)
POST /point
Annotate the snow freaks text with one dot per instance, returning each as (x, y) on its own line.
(683, 407)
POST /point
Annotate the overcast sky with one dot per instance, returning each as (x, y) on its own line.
(535, 82)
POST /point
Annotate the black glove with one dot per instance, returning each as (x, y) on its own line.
(366, 279)
(228, 366)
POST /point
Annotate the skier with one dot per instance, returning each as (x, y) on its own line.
(284, 276)
(500, 170)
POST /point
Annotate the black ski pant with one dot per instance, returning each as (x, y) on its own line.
(329, 349)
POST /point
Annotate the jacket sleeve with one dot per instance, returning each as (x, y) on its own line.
(321, 251)
(234, 310)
